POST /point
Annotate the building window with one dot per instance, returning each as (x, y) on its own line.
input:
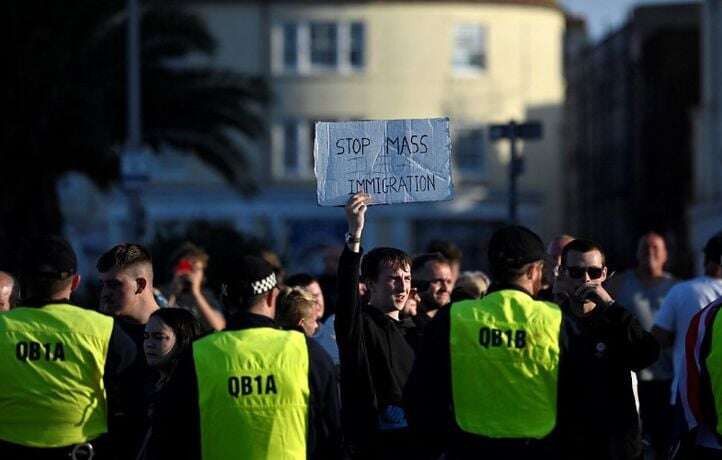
(290, 46)
(291, 151)
(469, 48)
(324, 44)
(319, 47)
(294, 149)
(358, 32)
(469, 151)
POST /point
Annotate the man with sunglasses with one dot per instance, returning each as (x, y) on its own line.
(602, 344)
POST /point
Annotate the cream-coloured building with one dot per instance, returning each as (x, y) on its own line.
(477, 62)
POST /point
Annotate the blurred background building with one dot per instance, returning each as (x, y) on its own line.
(477, 62)
(632, 124)
(632, 102)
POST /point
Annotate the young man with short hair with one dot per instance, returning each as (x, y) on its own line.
(126, 276)
(376, 358)
(603, 344)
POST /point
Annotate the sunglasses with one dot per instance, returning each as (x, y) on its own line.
(579, 272)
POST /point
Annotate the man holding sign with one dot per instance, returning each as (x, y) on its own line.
(376, 357)
(393, 161)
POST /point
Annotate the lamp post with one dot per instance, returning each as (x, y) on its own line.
(133, 169)
(531, 130)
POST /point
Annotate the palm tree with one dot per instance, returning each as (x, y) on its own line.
(65, 102)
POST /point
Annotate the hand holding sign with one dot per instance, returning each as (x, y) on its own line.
(393, 161)
(355, 216)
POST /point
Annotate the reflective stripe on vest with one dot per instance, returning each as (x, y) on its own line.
(713, 365)
(504, 365)
(52, 362)
(253, 394)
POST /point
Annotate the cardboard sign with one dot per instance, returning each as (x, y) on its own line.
(394, 161)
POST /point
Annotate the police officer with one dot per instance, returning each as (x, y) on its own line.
(253, 390)
(56, 361)
(485, 382)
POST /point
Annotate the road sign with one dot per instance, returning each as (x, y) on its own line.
(530, 130)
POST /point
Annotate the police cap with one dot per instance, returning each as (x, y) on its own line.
(514, 246)
(253, 276)
(48, 257)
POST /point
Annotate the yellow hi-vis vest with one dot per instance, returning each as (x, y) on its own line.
(504, 365)
(713, 363)
(253, 394)
(52, 361)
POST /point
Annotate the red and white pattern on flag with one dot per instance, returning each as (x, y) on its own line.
(695, 387)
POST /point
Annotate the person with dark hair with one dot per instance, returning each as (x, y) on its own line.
(604, 343)
(451, 252)
(253, 390)
(493, 364)
(59, 363)
(189, 265)
(9, 291)
(376, 357)
(169, 333)
(126, 277)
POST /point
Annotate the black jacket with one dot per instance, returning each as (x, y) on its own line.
(431, 414)
(176, 418)
(597, 411)
(376, 358)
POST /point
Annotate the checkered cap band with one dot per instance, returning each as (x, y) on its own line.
(264, 285)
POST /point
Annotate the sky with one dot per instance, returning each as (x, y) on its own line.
(607, 15)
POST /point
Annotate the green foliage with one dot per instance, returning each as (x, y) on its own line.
(65, 103)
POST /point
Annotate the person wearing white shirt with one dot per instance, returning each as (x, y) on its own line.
(684, 300)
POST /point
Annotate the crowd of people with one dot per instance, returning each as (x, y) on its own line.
(551, 355)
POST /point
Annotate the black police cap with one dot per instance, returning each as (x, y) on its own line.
(515, 246)
(49, 257)
(253, 276)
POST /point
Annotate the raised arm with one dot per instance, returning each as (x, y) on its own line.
(348, 311)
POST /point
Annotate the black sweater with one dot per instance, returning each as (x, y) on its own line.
(376, 358)
(597, 411)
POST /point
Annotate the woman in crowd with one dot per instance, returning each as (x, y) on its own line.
(296, 310)
(168, 334)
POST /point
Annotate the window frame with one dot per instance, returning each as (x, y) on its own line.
(303, 59)
(466, 69)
